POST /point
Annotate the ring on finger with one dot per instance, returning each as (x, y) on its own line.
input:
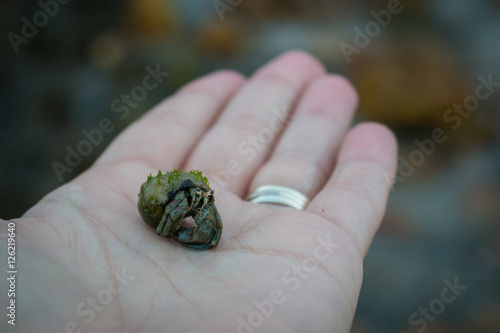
(280, 195)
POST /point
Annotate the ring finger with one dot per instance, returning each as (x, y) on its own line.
(305, 155)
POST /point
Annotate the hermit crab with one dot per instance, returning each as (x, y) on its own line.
(166, 200)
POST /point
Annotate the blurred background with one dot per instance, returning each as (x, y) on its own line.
(63, 67)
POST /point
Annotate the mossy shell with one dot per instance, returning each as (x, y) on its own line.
(157, 191)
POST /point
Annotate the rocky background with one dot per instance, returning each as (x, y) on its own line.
(415, 70)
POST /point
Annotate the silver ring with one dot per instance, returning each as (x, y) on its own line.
(279, 195)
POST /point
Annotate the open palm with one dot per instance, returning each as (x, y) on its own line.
(89, 264)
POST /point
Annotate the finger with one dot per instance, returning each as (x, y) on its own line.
(164, 137)
(355, 197)
(305, 155)
(239, 142)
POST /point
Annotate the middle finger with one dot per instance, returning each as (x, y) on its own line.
(240, 140)
(305, 155)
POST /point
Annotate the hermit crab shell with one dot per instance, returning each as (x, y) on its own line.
(157, 191)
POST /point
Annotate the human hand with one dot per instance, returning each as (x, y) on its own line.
(274, 270)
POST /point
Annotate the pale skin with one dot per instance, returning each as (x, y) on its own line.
(72, 241)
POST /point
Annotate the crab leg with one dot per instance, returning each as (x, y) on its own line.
(208, 228)
(173, 215)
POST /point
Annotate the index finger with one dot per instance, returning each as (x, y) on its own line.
(164, 137)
